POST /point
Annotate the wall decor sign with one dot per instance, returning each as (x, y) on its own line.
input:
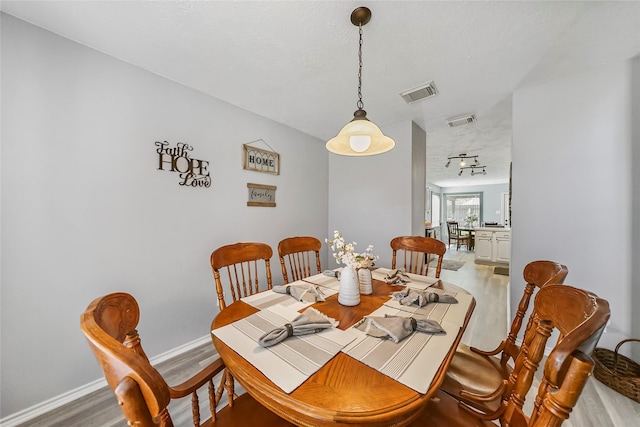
(261, 195)
(193, 172)
(259, 160)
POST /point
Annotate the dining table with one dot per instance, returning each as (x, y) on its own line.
(348, 388)
(472, 236)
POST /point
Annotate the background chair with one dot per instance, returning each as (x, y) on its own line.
(297, 253)
(109, 324)
(478, 377)
(455, 236)
(237, 267)
(580, 318)
(417, 253)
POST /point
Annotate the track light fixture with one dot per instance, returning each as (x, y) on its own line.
(463, 158)
(475, 170)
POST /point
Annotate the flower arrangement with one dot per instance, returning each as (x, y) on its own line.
(344, 253)
(470, 220)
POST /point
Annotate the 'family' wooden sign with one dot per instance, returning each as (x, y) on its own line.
(261, 195)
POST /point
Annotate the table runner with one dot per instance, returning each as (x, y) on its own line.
(289, 363)
(454, 313)
(417, 281)
(413, 361)
(270, 298)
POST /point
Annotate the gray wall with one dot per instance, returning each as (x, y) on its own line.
(85, 211)
(572, 186)
(635, 197)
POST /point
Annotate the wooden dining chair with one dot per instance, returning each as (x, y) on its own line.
(415, 254)
(478, 377)
(579, 317)
(237, 268)
(455, 236)
(109, 324)
(296, 256)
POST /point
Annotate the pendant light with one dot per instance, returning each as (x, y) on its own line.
(360, 137)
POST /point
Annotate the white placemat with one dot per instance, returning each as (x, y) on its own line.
(325, 281)
(289, 363)
(454, 313)
(417, 281)
(270, 298)
(413, 361)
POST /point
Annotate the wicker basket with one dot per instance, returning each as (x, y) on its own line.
(617, 371)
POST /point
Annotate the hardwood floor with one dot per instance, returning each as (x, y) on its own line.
(598, 406)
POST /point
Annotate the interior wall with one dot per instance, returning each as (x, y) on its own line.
(572, 186)
(85, 210)
(635, 216)
(418, 178)
(371, 202)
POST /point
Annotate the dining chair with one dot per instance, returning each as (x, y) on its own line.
(579, 318)
(296, 255)
(478, 377)
(455, 236)
(109, 325)
(417, 253)
(236, 267)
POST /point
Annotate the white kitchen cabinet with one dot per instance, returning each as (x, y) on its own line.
(493, 244)
(484, 245)
(502, 246)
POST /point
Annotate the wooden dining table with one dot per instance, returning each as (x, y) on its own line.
(472, 236)
(344, 391)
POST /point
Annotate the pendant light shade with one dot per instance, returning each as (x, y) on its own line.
(360, 137)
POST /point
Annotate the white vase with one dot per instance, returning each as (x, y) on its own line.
(365, 279)
(349, 293)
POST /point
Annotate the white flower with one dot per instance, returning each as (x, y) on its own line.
(345, 253)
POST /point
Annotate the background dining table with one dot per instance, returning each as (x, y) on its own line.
(472, 236)
(344, 391)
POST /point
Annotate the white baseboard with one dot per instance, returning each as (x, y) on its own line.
(67, 397)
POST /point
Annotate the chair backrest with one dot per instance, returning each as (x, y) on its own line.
(417, 253)
(536, 275)
(109, 324)
(452, 228)
(579, 317)
(237, 266)
(296, 257)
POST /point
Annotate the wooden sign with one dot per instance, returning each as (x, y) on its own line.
(261, 195)
(259, 160)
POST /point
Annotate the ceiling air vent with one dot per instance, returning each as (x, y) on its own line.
(462, 120)
(423, 91)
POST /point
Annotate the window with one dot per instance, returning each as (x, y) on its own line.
(464, 208)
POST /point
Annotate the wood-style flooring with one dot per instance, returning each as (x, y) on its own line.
(598, 406)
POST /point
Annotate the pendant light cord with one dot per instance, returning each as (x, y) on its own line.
(360, 104)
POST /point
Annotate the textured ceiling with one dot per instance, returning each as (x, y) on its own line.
(295, 62)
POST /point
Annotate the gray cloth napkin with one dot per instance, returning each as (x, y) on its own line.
(421, 298)
(397, 328)
(309, 322)
(304, 293)
(397, 277)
